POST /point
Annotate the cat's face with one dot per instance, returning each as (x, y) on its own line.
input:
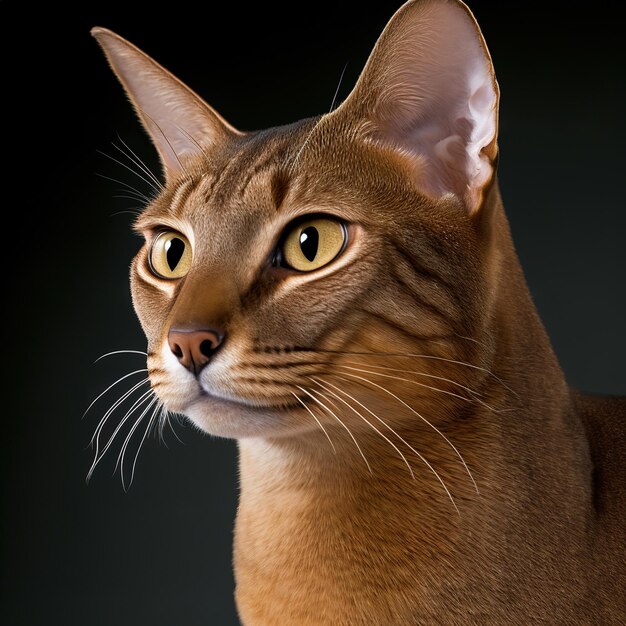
(290, 272)
(282, 326)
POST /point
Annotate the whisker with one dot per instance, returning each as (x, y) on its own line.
(107, 415)
(418, 454)
(128, 195)
(182, 167)
(104, 356)
(130, 169)
(304, 143)
(138, 162)
(367, 422)
(122, 454)
(476, 341)
(423, 419)
(140, 194)
(205, 156)
(135, 211)
(98, 456)
(419, 356)
(442, 378)
(295, 395)
(415, 382)
(119, 380)
(145, 434)
(343, 71)
(169, 423)
(319, 121)
(161, 424)
(356, 443)
(136, 404)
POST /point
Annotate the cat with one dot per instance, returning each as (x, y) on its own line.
(342, 296)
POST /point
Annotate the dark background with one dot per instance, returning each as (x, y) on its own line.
(160, 554)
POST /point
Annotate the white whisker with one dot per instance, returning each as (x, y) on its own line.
(205, 156)
(138, 162)
(356, 443)
(121, 352)
(109, 412)
(122, 454)
(169, 423)
(415, 382)
(422, 356)
(127, 195)
(98, 456)
(396, 369)
(332, 104)
(130, 169)
(317, 420)
(119, 380)
(167, 141)
(423, 419)
(145, 434)
(367, 422)
(418, 454)
(140, 194)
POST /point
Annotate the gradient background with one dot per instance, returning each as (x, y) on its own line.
(160, 554)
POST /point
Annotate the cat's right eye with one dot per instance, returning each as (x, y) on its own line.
(170, 255)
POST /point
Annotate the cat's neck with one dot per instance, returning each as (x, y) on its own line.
(308, 519)
(522, 352)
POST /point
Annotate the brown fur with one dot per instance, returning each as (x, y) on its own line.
(432, 291)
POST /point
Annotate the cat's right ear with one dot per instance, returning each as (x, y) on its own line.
(179, 122)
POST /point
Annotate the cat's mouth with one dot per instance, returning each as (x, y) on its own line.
(229, 400)
(242, 417)
(285, 404)
(231, 415)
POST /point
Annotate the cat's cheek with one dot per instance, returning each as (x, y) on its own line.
(150, 297)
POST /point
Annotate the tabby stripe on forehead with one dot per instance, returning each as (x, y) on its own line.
(216, 179)
(177, 206)
(252, 172)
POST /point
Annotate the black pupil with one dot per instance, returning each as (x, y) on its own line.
(309, 241)
(174, 251)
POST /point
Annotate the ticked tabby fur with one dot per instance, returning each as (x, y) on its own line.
(342, 295)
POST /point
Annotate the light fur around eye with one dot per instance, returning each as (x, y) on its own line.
(170, 255)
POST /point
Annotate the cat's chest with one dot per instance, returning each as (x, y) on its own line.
(324, 564)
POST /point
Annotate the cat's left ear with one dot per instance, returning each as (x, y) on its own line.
(178, 121)
(428, 92)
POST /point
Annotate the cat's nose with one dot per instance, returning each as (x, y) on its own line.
(194, 348)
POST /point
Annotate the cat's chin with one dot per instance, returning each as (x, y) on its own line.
(235, 420)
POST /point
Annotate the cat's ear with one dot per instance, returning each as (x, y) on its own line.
(179, 122)
(429, 92)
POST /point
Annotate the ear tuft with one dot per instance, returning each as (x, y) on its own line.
(429, 90)
(179, 122)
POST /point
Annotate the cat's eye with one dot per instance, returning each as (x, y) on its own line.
(313, 243)
(170, 255)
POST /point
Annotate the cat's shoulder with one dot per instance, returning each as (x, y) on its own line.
(603, 416)
(604, 420)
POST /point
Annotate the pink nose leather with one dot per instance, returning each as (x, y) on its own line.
(194, 348)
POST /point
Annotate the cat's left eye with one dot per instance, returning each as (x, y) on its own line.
(313, 243)
(170, 255)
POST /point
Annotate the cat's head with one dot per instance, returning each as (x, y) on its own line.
(290, 274)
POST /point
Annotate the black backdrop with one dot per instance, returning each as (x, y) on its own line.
(160, 554)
